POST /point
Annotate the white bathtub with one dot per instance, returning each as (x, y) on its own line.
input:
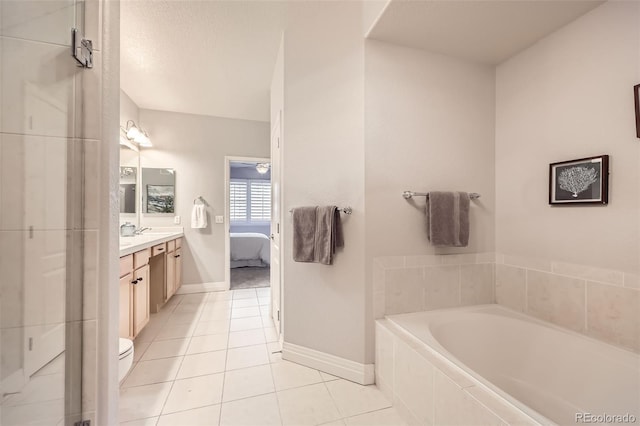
(546, 372)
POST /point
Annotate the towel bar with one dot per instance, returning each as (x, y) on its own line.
(199, 200)
(410, 194)
(345, 210)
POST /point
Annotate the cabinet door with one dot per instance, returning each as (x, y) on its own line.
(140, 299)
(125, 306)
(178, 258)
(171, 274)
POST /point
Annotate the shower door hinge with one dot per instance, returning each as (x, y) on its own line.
(81, 49)
(278, 314)
(83, 423)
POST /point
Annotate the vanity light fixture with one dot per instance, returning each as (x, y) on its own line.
(262, 168)
(136, 134)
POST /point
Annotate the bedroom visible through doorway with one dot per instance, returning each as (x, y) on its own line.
(249, 223)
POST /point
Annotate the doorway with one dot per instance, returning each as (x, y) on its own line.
(248, 255)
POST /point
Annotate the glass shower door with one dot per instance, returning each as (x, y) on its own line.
(41, 214)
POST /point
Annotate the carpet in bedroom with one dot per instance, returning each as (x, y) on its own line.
(249, 277)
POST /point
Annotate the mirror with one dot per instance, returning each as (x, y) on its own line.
(158, 191)
(128, 183)
(129, 188)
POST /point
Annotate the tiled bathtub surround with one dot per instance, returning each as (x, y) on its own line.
(420, 283)
(429, 391)
(601, 303)
(604, 304)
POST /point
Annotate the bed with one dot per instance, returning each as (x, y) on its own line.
(250, 249)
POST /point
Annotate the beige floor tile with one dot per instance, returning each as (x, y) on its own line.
(215, 296)
(201, 364)
(308, 405)
(215, 315)
(184, 318)
(245, 303)
(339, 422)
(263, 292)
(166, 349)
(195, 392)
(247, 356)
(385, 417)
(247, 382)
(207, 343)
(187, 308)
(328, 377)
(259, 410)
(141, 402)
(151, 421)
(287, 375)
(244, 293)
(175, 331)
(353, 399)
(246, 338)
(240, 324)
(217, 305)
(253, 311)
(211, 327)
(205, 416)
(139, 349)
(154, 371)
(195, 298)
(271, 334)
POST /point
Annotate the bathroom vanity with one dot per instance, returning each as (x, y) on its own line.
(150, 273)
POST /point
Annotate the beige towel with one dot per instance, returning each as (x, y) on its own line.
(317, 232)
(448, 219)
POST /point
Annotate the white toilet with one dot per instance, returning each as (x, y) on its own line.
(125, 359)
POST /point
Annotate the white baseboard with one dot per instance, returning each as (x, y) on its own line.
(341, 367)
(202, 288)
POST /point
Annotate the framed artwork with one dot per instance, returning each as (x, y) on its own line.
(636, 98)
(160, 198)
(583, 181)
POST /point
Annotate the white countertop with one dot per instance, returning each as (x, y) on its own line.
(149, 238)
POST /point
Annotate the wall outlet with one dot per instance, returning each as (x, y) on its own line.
(219, 219)
(176, 220)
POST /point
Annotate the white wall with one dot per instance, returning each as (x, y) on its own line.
(429, 127)
(195, 146)
(570, 96)
(323, 149)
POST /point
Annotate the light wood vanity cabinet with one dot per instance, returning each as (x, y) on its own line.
(174, 267)
(134, 293)
(148, 278)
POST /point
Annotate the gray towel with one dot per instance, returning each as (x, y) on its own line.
(448, 219)
(317, 232)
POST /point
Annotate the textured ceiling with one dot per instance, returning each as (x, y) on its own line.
(486, 31)
(200, 57)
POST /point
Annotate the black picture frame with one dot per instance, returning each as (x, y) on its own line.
(636, 99)
(579, 182)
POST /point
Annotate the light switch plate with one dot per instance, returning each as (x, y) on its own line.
(219, 219)
(176, 220)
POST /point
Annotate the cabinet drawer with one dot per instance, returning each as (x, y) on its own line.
(141, 258)
(171, 245)
(158, 249)
(178, 242)
(126, 265)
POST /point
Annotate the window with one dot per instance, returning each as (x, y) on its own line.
(250, 201)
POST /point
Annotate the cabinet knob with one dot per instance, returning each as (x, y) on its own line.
(134, 282)
(177, 255)
(139, 279)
